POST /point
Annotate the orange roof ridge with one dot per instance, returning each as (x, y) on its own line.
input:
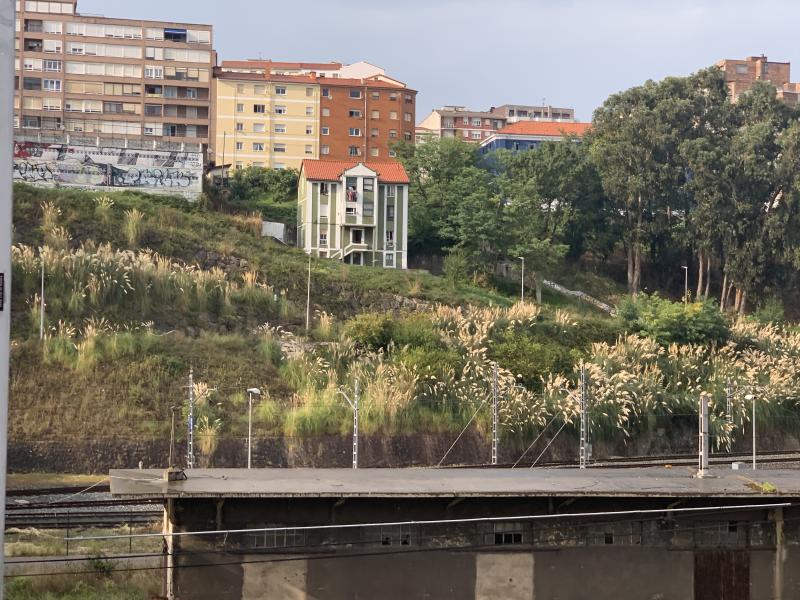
(331, 170)
(552, 128)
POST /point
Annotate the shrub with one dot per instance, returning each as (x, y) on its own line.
(530, 358)
(455, 268)
(370, 330)
(770, 311)
(673, 322)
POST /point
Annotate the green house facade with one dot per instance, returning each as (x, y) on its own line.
(354, 212)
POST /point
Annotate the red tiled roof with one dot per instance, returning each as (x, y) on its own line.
(331, 170)
(269, 64)
(548, 128)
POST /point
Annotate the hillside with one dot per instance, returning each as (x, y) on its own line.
(139, 289)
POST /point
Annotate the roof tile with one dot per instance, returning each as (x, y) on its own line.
(331, 170)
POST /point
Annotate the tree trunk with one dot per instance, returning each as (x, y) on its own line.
(637, 269)
(738, 300)
(724, 291)
(701, 264)
(631, 290)
(538, 291)
(728, 296)
(743, 303)
(708, 276)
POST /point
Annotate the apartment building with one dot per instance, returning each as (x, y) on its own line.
(740, 75)
(361, 111)
(528, 135)
(108, 81)
(514, 113)
(460, 122)
(356, 212)
(264, 120)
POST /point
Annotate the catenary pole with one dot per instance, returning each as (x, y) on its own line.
(308, 296)
(495, 394)
(7, 37)
(41, 302)
(190, 423)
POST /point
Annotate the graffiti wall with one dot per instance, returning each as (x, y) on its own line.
(109, 169)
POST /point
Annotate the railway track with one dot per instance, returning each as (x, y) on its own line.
(99, 513)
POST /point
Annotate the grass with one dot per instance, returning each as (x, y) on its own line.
(50, 542)
(123, 586)
(37, 481)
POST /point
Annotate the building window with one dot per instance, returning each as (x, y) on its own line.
(325, 131)
(239, 126)
(374, 133)
(259, 109)
(393, 115)
(323, 238)
(389, 235)
(280, 90)
(350, 210)
(324, 149)
(309, 111)
(355, 94)
(354, 113)
(476, 135)
(741, 69)
(323, 188)
(51, 85)
(369, 185)
(354, 151)
(279, 128)
(259, 128)
(407, 136)
(279, 148)
(392, 153)
(326, 92)
(309, 130)
(239, 165)
(240, 145)
(374, 152)
(390, 208)
(393, 133)
(390, 263)
(309, 149)
(258, 165)
(390, 194)
(354, 132)
(259, 89)
(393, 96)
(279, 166)
(326, 112)
(52, 66)
(507, 533)
(280, 110)
(258, 147)
(376, 95)
(309, 92)
(240, 88)
(476, 122)
(240, 108)
(376, 114)
(357, 236)
(407, 117)
(409, 98)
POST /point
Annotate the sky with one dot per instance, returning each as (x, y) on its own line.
(483, 53)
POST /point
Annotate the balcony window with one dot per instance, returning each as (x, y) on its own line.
(323, 238)
(33, 45)
(356, 114)
(175, 35)
(259, 109)
(153, 110)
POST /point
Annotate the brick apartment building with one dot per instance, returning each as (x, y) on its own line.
(740, 76)
(361, 111)
(514, 113)
(118, 82)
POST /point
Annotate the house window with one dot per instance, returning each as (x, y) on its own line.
(324, 149)
(409, 99)
(53, 66)
(350, 210)
(393, 115)
(280, 110)
(326, 112)
(374, 133)
(389, 235)
(407, 136)
(741, 69)
(476, 135)
(259, 128)
(324, 131)
(476, 122)
(309, 111)
(280, 90)
(258, 147)
(354, 151)
(393, 133)
(376, 95)
(389, 262)
(309, 130)
(259, 109)
(355, 94)
(407, 117)
(280, 128)
(191, 93)
(374, 152)
(390, 193)
(376, 114)
(259, 89)
(240, 108)
(354, 132)
(393, 96)
(357, 236)
(51, 85)
(323, 238)
(392, 153)
(390, 208)
(326, 92)
(239, 126)
(240, 145)
(279, 148)
(239, 165)
(309, 92)
(309, 149)
(323, 188)
(355, 113)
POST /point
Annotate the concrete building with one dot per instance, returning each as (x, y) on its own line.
(354, 212)
(264, 119)
(740, 76)
(92, 80)
(456, 534)
(513, 113)
(360, 111)
(462, 123)
(527, 135)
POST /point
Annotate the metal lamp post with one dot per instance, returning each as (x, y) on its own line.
(250, 393)
(354, 405)
(685, 285)
(522, 283)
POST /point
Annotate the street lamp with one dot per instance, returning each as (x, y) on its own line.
(685, 285)
(522, 284)
(250, 393)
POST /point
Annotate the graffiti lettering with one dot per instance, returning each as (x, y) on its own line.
(32, 172)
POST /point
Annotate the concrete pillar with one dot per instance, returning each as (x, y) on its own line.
(507, 575)
(169, 549)
(780, 554)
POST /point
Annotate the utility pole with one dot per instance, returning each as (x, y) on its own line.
(7, 41)
(190, 438)
(685, 285)
(753, 396)
(703, 435)
(171, 465)
(250, 393)
(495, 394)
(584, 420)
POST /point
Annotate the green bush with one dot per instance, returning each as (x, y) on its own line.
(415, 330)
(770, 311)
(427, 360)
(370, 330)
(673, 322)
(530, 358)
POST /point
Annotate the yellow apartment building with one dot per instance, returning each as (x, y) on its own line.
(264, 120)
